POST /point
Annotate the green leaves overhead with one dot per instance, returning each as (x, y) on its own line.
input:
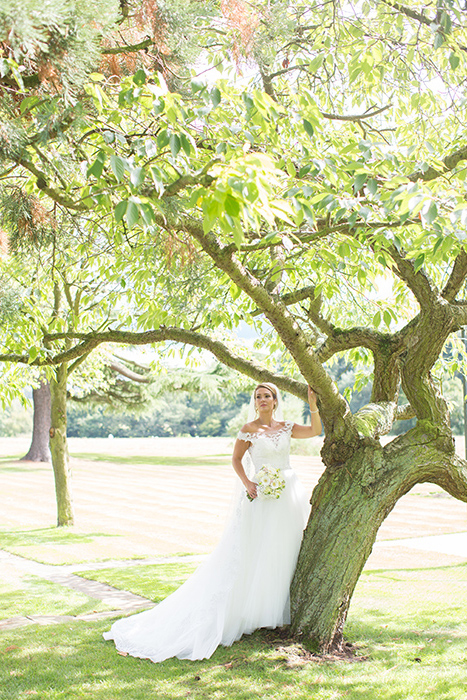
(313, 158)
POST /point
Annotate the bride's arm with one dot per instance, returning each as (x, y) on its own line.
(308, 431)
(240, 448)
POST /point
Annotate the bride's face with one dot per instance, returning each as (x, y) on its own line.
(264, 399)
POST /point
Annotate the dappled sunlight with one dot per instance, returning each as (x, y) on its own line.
(73, 661)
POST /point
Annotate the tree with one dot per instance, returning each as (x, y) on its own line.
(39, 448)
(321, 200)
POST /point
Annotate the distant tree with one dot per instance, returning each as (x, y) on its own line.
(39, 449)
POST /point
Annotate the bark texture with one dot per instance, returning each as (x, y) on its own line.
(39, 450)
(348, 506)
(59, 448)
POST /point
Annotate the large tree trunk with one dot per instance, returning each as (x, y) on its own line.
(39, 449)
(59, 447)
(348, 506)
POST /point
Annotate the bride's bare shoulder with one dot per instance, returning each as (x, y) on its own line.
(249, 428)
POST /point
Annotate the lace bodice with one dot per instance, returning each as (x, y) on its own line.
(271, 448)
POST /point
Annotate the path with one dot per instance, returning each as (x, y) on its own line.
(123, 602)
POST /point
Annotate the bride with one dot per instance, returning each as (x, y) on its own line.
(244, 584)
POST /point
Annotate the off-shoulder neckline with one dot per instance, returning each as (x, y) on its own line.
(246, 435)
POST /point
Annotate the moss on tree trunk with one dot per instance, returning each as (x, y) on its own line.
(59, 447)
(348, 506)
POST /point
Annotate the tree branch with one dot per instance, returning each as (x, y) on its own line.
(199, 178)
(404, 412)
(375, 419)
(125, 372)
(356, 117)
(418, 282)
(54, 194)
(222, 352)
(456, 278)
(449, 163)
(298, 295)
(145, 44)
(340, 340)
(419, 17)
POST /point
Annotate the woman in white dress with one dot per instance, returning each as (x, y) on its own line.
(244, 584)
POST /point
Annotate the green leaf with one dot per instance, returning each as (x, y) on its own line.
(118, 166)
(290, 167)
(387, 318)
(175, 144)
(147, 214)
(120, 210)
(235, 291)
(359, 181)
(197, 86)
(157, 178)
(419, 262)
(139, 77)
(186, 145)
(98, 166)
(211, 214)
(454, 61)
(163, 139)
(216, 97)
(33, 353)
(232, 207)
(131, 214)
(439, 40)
(137, 176)
(308, 128)
(429, 212)
(28, 102)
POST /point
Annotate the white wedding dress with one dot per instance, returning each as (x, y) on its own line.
(243, 585)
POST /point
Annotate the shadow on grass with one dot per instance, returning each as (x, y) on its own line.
(19, 466)
(32, 595)
(153, 581)
(155, 460)
(47, 536)
(73, 661)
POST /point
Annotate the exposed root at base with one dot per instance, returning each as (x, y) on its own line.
(295, 654)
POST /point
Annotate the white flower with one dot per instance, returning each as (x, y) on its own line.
(270, 481)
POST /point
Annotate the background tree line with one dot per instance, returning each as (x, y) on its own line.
(183, 413)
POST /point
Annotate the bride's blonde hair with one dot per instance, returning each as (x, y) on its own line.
(268, 385)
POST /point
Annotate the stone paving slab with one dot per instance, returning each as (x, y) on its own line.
(121, 600)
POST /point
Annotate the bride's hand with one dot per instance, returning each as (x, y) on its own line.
(311, 396)
(251, 489)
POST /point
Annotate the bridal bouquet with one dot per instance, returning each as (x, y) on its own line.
(270, 482)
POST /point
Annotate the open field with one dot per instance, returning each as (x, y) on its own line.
(143, 497)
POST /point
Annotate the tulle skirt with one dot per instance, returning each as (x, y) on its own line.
(242, 586)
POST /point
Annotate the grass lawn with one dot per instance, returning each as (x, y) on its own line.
(408, 629)
(37, 543)
(73, 661)
(160, 460)
(35, 596)
(150, 581)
